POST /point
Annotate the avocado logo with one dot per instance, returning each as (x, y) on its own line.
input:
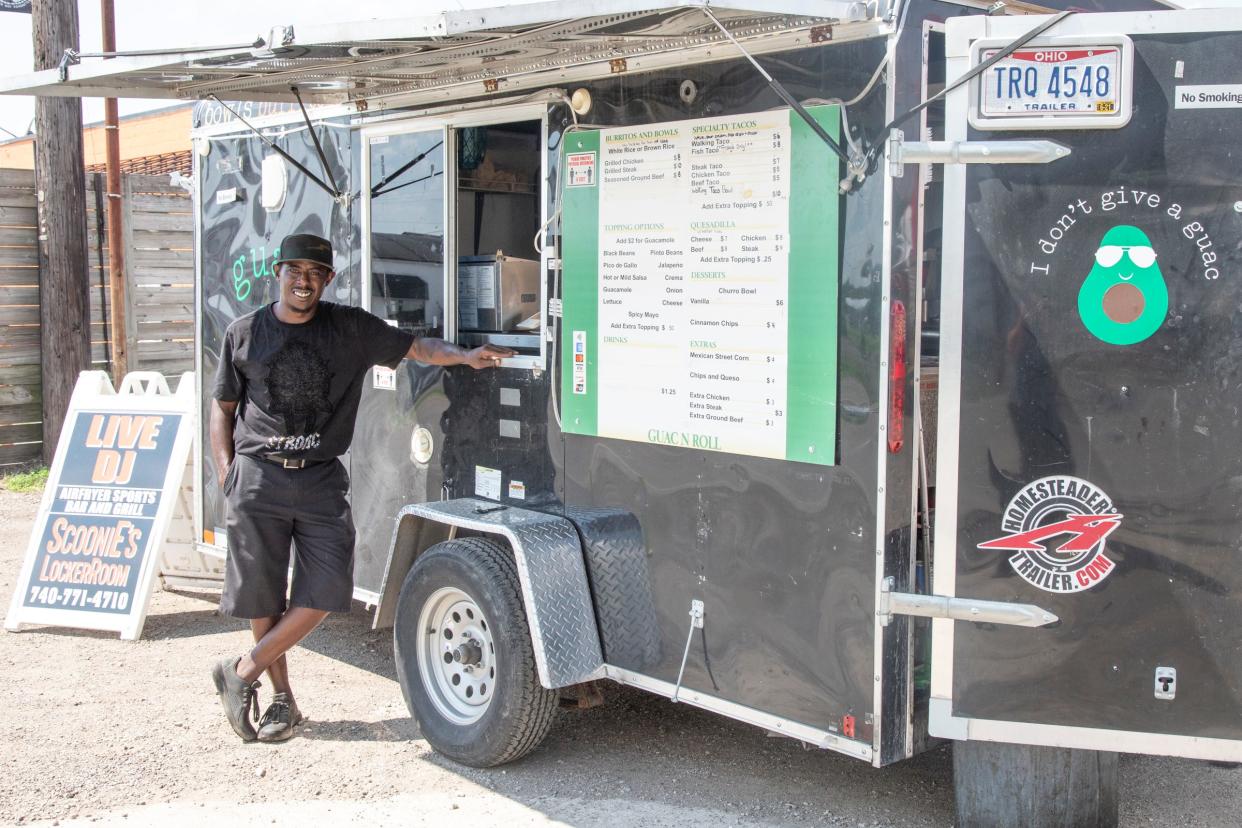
(1124, 299)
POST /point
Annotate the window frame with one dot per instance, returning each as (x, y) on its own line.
(448, 124)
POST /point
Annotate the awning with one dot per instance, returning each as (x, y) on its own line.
(462, 54)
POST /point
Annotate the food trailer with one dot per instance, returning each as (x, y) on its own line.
(876, 375)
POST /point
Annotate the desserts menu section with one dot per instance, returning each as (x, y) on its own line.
(680, 275)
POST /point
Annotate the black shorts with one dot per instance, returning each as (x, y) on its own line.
(271, 507)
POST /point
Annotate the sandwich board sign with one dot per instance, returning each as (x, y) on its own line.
(111, 493)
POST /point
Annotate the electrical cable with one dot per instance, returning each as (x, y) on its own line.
(782, 92)
(540, 237)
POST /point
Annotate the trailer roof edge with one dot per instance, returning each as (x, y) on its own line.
(471, 52)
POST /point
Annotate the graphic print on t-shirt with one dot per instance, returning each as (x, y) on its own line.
(298, 386)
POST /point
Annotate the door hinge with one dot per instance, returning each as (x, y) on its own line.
(960, 609)
(901, 152)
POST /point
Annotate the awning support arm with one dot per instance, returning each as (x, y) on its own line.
(378, 189)
(330, 190)
(73, 57)
(323, 159)
(783, 93)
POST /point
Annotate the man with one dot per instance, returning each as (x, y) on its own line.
(286, 397)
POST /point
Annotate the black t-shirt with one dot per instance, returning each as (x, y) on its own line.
(299, 385)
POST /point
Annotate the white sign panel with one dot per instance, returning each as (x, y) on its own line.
(704, 249)
(111, 494)
(487, 482)
(709, 272)
(1208, 96)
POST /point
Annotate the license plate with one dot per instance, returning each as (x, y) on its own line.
(1056, 82)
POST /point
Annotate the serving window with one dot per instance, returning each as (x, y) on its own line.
(451, 212)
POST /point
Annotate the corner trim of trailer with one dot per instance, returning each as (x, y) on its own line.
(882, 392)
(196, 207)
(785, 727)
(944, 724)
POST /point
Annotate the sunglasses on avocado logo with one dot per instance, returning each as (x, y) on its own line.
(1123, 303)
(1110, 254)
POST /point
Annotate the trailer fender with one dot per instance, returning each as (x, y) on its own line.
(548, 554)
(617, 565)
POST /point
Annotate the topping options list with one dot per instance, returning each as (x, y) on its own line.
(694, 283)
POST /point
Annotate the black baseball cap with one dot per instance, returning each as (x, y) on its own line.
(307, 247)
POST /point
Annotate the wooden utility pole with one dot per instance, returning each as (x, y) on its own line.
(117, 287)
(60, 181)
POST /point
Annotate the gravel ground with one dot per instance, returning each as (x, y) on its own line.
(102, 731)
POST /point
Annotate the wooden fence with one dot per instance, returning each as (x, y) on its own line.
(158, 229)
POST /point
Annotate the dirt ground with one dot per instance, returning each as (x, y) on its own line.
(105, 732)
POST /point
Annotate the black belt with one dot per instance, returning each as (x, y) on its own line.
(290, 462)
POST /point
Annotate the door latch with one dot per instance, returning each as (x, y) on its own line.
(1166, 683)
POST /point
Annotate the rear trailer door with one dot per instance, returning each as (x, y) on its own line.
(1091, 387)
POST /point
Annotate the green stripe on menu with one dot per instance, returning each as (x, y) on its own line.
(810, 427)
(580, 285)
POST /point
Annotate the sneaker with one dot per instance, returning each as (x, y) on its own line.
(278, 721)
(238, 697)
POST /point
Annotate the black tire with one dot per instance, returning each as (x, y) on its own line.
(521, 710)
(999, 784)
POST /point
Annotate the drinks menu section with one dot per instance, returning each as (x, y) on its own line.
(677, 292)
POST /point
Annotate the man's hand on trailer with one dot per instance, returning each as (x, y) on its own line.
(439, 352)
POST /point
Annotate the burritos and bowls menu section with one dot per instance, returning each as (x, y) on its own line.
(700, 285)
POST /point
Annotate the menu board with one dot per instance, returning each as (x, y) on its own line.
(700, 285)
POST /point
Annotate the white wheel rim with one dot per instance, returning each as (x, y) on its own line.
(456, 655)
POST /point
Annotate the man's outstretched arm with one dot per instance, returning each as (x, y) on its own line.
(439, 352)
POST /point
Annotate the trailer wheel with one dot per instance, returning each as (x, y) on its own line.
(1003, 784)
(464, 656)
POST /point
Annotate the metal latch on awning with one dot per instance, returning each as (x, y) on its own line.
(959, 609)
(901, 153)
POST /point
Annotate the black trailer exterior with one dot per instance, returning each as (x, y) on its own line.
(783, 555)
(1122, 435)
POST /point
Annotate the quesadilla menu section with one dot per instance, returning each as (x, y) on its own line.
(700, 252)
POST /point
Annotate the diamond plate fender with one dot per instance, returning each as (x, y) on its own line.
(550, 568)
(617, 563)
